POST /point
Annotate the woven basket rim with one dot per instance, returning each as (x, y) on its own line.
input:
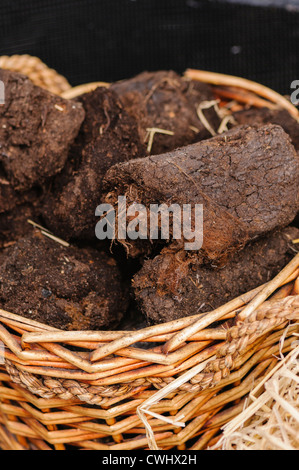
(247, 309)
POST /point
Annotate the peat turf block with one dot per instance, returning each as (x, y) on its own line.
(36, 130)
(262, 116)
(108, 136)
(164, 100)
(246, 179)
(167, 288)
(65, 287)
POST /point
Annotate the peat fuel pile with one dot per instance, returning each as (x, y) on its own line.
(247, 180)
(59, 164)
(14, 224)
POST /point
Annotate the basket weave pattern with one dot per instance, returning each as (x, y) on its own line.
(92, 390)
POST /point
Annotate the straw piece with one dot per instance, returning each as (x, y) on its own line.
(277, 425)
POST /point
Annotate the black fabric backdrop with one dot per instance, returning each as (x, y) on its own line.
(89, 40)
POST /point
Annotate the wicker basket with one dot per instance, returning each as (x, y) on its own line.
(102, 390)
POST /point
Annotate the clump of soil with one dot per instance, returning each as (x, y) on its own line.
(262, 116)
(65, 287)
(14, 224)
(164, 100)
(168, 288)
(247, 180)
(36, 131)
(108, 136)
(143, 138)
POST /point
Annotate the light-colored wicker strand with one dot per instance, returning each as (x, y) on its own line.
(68, 389)
(266, 318)
(38, 72)
(239, 337)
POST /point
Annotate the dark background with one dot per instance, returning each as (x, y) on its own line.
(89, 40)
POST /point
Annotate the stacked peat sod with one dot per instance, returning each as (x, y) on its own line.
(42, 279)
(149, 139)
(248, 182)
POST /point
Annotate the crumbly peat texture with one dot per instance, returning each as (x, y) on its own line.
(262, 116)
(167, 288)
(164, 100)
(274, 116)
(10, 199)
(247, 180)
(36, 131)
(108, 136)
(14, 224)
(219, 239)
(68, 288)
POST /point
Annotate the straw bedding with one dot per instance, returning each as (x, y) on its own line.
(270, 419)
